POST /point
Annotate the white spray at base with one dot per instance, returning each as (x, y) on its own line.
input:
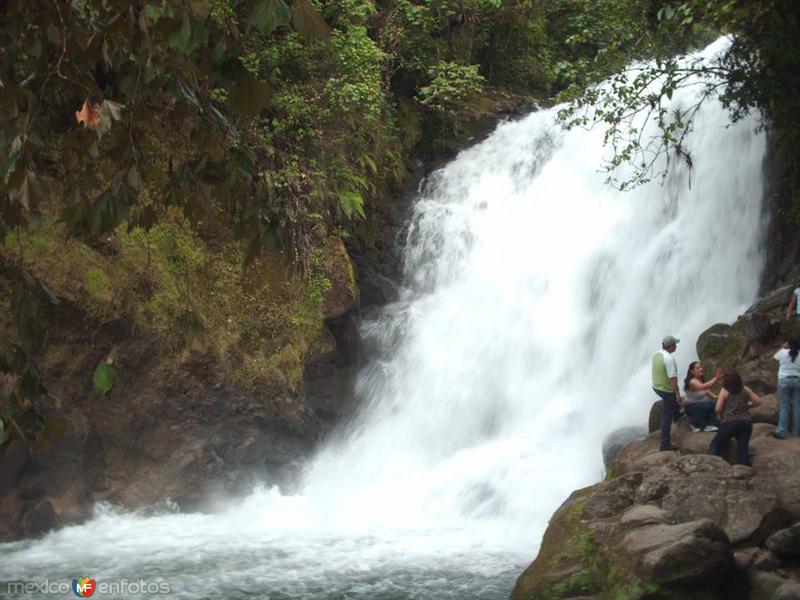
(534, 297)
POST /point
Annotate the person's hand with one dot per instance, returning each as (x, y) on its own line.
(785, 345)
(718, 373)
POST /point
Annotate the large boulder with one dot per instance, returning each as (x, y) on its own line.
(664, 530)
(696, 551)
(777, 465)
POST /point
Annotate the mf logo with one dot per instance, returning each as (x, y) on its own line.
(84, 587)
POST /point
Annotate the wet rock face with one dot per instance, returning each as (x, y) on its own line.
(39, 518)
(618, 439)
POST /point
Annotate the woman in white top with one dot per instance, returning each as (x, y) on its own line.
(699, 401)
(788, 387)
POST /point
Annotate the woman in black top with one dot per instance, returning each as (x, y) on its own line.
(733, 412)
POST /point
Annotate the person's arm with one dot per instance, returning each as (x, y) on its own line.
(673, 381)
(672, 376)
(755, 399)
(723, 395)
(791, 306)
(698, 386)
(711, 394)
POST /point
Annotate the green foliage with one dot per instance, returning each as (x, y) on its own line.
(105, 377)
(451, 87)
(758, 70)
(97, 284)
(355, 87)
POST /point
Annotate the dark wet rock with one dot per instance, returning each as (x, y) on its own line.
(618, 439)
(654, 418)
(39, 518)
(785, 542)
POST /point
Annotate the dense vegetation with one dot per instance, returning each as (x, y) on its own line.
(150, 145)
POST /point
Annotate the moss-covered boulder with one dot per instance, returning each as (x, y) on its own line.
(665, 531)
(613, 540)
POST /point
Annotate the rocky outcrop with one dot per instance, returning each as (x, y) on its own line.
(176, 427)
(686, 524)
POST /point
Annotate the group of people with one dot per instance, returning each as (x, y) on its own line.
(728, 412)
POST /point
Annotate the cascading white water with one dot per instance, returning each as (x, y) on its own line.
(534, 296)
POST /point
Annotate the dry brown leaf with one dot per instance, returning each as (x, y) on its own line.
(89, 114)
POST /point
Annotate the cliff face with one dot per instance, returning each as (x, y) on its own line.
(685, 524)
(221, 374)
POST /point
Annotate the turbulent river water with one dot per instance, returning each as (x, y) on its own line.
(533, 298)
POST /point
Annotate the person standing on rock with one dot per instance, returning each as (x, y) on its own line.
(733, 413)
(700, 402)
(788, 388)
(665, 385)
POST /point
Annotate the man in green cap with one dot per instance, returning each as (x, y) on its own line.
(665, 385)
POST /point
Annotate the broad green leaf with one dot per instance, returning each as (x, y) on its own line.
(110, 210)
(189, 35)
(182, 37)
(268, 15)
(105, 376)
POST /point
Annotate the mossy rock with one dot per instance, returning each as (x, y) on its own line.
(341, 292)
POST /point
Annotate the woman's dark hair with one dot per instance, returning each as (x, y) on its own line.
(689, 375)
(732, 381)
(794, 347)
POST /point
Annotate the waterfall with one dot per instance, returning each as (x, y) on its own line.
(533, 298)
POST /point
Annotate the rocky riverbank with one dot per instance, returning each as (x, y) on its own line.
(685, 524)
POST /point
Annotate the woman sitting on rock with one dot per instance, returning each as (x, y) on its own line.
(788, 387)
(699, 403)
(733, 413)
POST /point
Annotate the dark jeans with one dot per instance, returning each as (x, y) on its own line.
(669, 410)
(741, 430)
(701, 414)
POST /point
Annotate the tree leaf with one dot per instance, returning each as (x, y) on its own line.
(351, 203)
(308, 23)
(268, 15)
(89, 114)
(110, 210)
(105, 376)
(182, 38)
